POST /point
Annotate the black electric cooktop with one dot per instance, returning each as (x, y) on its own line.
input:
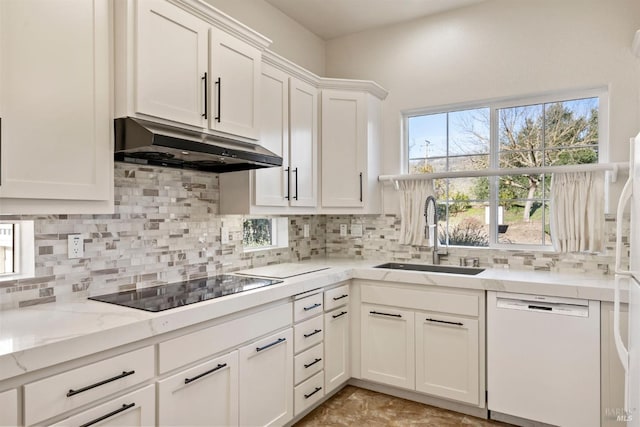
(164, 297)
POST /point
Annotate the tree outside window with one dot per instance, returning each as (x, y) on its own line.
(528, 136)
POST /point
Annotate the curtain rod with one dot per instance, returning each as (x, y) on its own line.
(613, 167)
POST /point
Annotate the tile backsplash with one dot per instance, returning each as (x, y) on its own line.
(166, 228)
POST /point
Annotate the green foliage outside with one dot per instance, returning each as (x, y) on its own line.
(257, 232)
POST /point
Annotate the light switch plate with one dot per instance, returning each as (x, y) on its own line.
(305, 230)
(343, 230)
(75, 246)
(356, 230)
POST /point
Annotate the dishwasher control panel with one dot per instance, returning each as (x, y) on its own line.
(539, 303)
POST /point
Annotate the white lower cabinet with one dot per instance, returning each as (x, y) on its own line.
(387, 343)
(447, 357)
(206, 395)
(9, 405)
(133, 409)
(266, 380)
(337, 343)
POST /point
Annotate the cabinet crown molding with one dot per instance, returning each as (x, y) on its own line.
(223, 21)
(371, 87)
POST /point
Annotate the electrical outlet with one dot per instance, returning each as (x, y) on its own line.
(305, 230)
(224, 235)
(343, 230)
(75, 246)
(356, 230)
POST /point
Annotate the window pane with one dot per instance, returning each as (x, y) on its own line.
(257, 232)
(468, 188)
(7, 234)
(427, 135)
(521, 128)
(570, 123)
(571, 156)
(522, 228)
(466, 228)
(521, 187)
(468, 163)
(469, 132)
(428, 165)
(521, 159)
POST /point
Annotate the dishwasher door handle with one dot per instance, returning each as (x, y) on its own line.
(540, 307)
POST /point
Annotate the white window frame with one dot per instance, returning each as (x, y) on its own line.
(279, 234)
(23, 251)
(494, 105)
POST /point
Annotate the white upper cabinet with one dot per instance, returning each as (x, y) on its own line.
(303, 163)
(289, 128)
(272, 184)
(171, 63)
(344, 148)
(175, 63)
(55, 106)
(351, 121)
(235, 85)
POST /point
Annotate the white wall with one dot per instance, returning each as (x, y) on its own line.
(496, 49)
(290, 39)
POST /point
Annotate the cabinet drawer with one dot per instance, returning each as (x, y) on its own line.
(465, 303)
(307, 307)
(309, 392)
(307, 334)
(336, 297)
(308, 363)
(69, 390)
(133, 409)
(198, 345)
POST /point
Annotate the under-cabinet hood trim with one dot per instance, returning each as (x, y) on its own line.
(149, 143)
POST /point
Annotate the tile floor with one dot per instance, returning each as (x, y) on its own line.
(353, 406)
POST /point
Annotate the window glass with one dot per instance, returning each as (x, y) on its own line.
(257, 233)
(527, 135)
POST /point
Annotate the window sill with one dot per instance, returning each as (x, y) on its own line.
(263, 248)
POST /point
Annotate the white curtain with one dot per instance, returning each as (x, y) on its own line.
(413, 196)
(577, 211)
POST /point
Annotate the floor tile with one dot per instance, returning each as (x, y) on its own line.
(353, 406)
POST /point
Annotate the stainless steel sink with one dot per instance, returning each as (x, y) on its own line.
(469, 271)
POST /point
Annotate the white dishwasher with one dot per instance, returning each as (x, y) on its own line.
(543, 358)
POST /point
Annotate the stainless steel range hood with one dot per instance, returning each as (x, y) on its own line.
(144, 142)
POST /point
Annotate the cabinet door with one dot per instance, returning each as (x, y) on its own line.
(266, 381)
(344, 148)
(272, 184)
(55, 97)
(133, 409)
(303, 122)
(387, 345)
(235, 85)
(171, 63)
(447, 358)
(206, 395)
(9, 405)
(336, 348)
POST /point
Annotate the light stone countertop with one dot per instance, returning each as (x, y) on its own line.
(44, 335)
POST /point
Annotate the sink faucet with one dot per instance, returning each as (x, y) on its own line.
(431, 203)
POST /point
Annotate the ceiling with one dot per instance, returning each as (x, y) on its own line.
(335, 18)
